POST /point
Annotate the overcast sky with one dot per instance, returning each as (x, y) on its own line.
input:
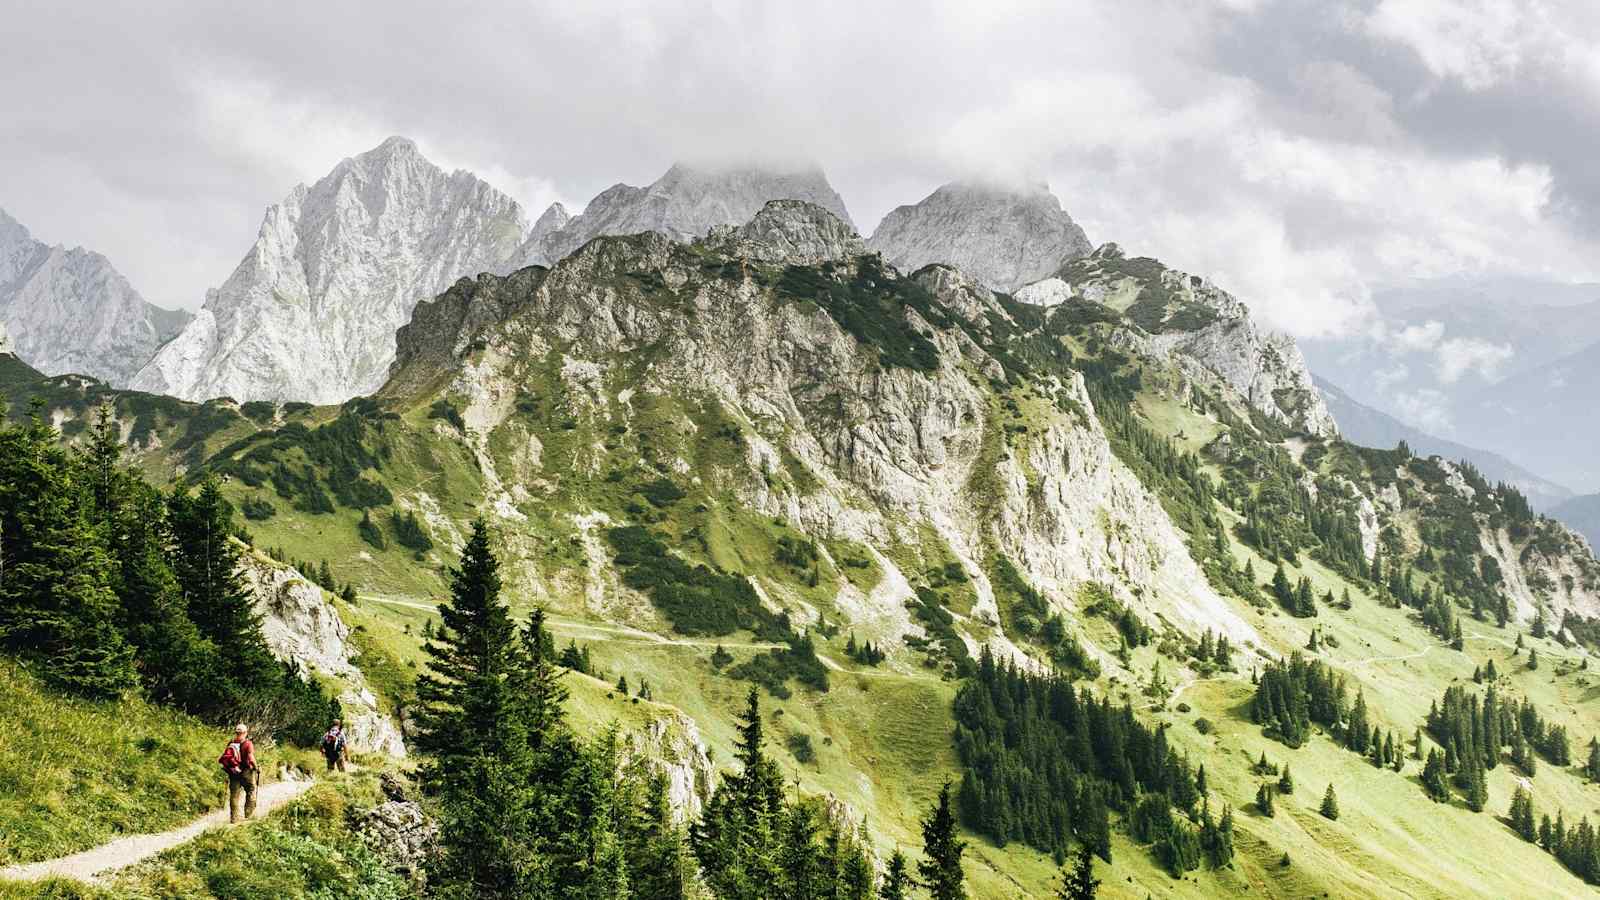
(1299, 152)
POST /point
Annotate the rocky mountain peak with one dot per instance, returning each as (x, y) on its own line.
(1205, 330)
(72, 311)
(311, 311)
(789, 231)
(685, 203)
(1003, 236)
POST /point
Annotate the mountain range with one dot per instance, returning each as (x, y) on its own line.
(726, 453)
(309, 313)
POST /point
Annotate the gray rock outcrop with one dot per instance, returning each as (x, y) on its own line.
(1003, 237)
(303, 628)
(684, 204)
(789, 231)
(400, 832)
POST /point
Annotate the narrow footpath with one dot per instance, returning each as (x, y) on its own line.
(124, 852)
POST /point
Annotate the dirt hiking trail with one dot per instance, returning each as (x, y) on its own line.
(124, 852)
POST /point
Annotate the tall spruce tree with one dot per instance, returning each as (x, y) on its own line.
(940, 869)
(897, 883)
(58, 611)
(1079, 882)
(737, 837)
(475, 726)
(206, 563)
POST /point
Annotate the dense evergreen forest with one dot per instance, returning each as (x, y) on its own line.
(1045, 764)
(109, 586)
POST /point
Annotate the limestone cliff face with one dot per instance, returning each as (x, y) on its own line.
(71, 311)
(1205, 330)
(670, 745)
(303, 628)
(311, 311)
(894, 451)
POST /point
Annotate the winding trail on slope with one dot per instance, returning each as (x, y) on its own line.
(123, 852)
(621, 634)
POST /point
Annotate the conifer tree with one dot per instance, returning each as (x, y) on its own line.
(737, 837)
(1330, 804)
(1433, 777)
(1079, 883)
(473, 723)
(1264, 801)
(1286, 782)
(1477, 783)
(57, 606)
(897, 883)
(1521, 815)
(655, 846)
(800, 863)
(1591, 768)
(855, 866)
(206, 563)
(940, 869)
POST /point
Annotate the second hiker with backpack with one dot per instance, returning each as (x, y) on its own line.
(334, 749)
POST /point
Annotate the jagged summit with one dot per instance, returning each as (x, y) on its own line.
(1004, 236)
(311, 311)
(790, 231)
(70, 310)
(1204, 329)
(685, 203)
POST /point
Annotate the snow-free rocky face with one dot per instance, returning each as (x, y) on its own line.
(310, 313)
(71, 311)
(1002, 237)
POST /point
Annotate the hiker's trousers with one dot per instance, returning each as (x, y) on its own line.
(242, 786)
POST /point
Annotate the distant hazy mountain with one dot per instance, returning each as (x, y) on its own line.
(72, 311)
(1003, 237)
(683, 204)
(311, 311)
(1361, 424)
(1582, 514)
(1546, 414)
(1481, 362)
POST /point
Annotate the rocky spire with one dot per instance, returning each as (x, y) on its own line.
(311, 311)
(789, 231)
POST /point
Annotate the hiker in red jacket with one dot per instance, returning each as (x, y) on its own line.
(239, 761)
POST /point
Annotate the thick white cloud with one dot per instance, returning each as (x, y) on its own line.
(1296, 169)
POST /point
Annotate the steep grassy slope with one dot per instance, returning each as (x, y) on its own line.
(75, 774)
(304, 850)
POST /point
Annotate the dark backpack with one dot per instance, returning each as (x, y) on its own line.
(333, 743)
(232, 758)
